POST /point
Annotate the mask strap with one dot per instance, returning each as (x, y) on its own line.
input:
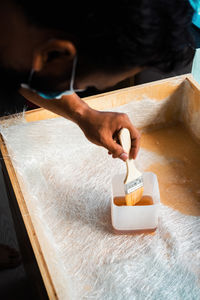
(73, 73)
(27, 85)
(30, 76)
(69, 92)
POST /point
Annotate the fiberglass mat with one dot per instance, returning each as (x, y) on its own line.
(66, 182)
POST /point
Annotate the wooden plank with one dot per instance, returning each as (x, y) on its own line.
(39, 114)
(157, 90)
(191, 103)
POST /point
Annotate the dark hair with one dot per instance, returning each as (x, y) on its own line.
(121, 34)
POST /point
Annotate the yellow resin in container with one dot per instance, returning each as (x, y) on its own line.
(137, 218)
(145, 200)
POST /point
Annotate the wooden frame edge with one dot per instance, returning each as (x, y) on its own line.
(28, 223)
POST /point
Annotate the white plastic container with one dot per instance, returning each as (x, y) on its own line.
(135, 218)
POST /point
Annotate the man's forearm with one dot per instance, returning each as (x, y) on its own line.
(98, 127)
(70, 107)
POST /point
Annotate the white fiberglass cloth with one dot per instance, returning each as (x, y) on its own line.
(66, 182)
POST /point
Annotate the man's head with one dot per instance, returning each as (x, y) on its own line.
(112, 40)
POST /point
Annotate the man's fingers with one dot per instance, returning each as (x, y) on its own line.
(135, 142)
(123, 156)
(134, 148)
(116, 150)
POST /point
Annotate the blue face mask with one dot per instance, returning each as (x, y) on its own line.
(56, 95)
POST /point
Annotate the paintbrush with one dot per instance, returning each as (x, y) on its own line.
(133, 182)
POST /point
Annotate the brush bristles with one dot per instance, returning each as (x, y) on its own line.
(134, 197)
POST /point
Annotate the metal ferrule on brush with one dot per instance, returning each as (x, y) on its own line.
(134, 185)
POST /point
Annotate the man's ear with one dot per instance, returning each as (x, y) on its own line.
(52, 50)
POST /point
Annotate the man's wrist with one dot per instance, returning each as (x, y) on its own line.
(78, 110)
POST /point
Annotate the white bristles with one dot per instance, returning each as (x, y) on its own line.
(134, 197)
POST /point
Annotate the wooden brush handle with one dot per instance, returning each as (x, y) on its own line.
(125, 141)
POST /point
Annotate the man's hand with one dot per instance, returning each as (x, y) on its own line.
(102, 129)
